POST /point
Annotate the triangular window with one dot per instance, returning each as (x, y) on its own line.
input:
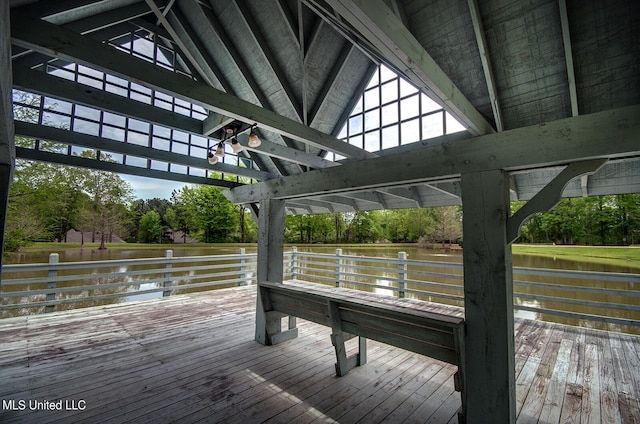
(392, 112)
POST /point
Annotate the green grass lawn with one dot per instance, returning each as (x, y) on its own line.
(625, 256)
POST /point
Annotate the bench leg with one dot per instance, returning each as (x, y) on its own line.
(275, 334)
(338, 338)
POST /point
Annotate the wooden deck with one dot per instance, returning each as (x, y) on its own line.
(192, 358)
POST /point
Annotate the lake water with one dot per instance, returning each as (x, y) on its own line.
(385, 251)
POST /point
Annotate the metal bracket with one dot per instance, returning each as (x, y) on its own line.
(549, 196)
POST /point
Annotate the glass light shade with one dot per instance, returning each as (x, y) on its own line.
(236, 146)
(220, 150)
(213, 159)
(254, 141)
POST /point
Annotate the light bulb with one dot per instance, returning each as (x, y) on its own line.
(220, 150)
(254, 141)
(236, 146)
(213, 159)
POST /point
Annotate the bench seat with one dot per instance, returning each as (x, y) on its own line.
(399, 322)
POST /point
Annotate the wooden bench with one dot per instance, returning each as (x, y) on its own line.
(351, 313)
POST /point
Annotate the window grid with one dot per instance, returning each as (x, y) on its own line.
(392, 112)
(120, 128)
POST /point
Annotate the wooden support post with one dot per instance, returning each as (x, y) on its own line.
(7, 144)
(270, 256)
(339, 268)
(489, 367)
(402, 274)
(294, 263)
(51, 283)
(243, 268)
(5, 183)
(168, 254)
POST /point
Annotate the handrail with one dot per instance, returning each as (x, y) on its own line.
(107, 280)
(607, 300)
(569, 296)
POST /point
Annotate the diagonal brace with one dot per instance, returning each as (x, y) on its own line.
(549, 196)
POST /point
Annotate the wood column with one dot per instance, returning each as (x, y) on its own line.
(270, 255)
(488, 290)
(7, 149)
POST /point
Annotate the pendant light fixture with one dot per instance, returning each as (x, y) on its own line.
(220, 150)
(231, 131)
(254, 140)
(213, 159)
(236, 146)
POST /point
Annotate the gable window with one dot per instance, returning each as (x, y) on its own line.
(392, 112)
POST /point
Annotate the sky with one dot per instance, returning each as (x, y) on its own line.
(150, 188)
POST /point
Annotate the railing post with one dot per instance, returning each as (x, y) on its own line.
(339, 282)
(167, 273)
(51, 283)
(294, 262)
(243, 268)
(402, 273)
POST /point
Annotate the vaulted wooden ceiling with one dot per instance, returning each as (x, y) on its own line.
(538, 84)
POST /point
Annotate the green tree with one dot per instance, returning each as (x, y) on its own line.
(208, 213)
(150, 228)
(107, 192)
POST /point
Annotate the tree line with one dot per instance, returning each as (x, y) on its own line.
(46, 200)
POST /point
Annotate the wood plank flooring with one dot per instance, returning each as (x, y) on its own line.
(192, 358)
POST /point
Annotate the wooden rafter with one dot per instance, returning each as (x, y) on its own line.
(611, 134)
(382, 28)
(58, 42)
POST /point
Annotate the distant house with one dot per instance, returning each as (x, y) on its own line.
(176, 236)
(74, 236)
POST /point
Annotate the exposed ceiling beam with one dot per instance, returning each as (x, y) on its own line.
(31, 59)
(481, 40)
(610, 134)
(331, 80)
(60, 88)
(584, 185)
(402, 193)
(367, 196)
(52, 8)
(7, 153)
(449, 188)
(67, 45)
(417, 195)
(382, 28)
(80, 162)
(340, 200)
(100, 143)
(568, 55)
(381, 199)
(513, 188)
(196, 55)
(97, 25)
(295, 206)
(292, 155)
(292, 24)
(315, 204)
(184, 49)
(108, 19)
(214, 122)
(199, 54)
(227, 48)
(49, 85)
(281, 79)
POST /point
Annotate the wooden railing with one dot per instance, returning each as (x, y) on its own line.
(596, 299)
(46, 287)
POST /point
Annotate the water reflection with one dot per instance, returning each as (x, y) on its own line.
(117, 284)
